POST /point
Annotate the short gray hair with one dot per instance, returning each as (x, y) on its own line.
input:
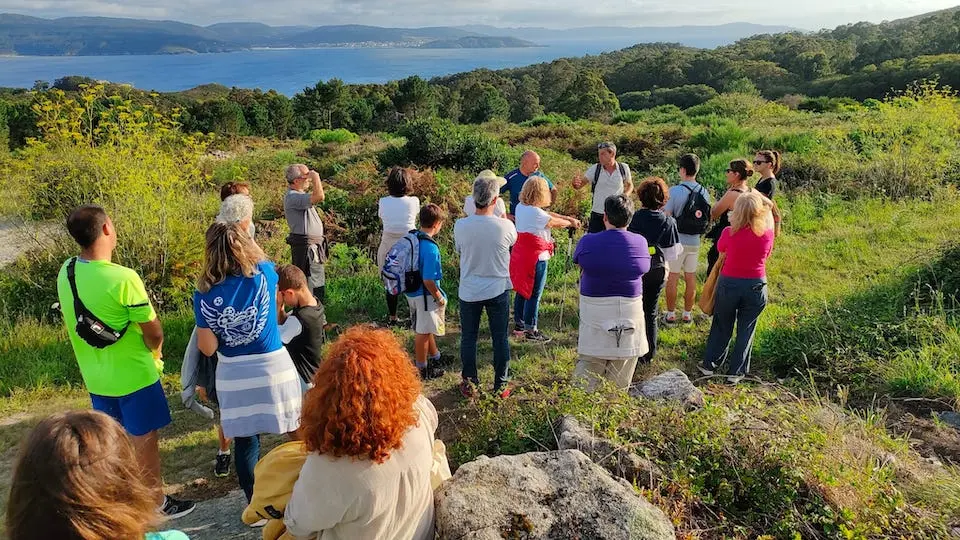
(293, 172)
(235, 209)
(607, 145)
(485, 190)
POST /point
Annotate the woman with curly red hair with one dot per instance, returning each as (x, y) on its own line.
(370, 437)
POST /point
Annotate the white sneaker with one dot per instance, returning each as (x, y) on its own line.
(734, 379)
(258, 524)
(705, 371)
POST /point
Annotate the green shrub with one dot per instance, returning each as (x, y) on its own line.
(732, 106)
(134, 161)
(550, 119)
(723, 136)
(327, 136)
(440, 143)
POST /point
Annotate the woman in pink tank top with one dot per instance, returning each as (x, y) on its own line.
(741, 292)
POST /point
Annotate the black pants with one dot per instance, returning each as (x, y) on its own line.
(652, 285)
(712, 257)
(393, 301)
(596, 223)
(320, 293)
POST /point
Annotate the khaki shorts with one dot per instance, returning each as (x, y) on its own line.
(429, 320)
(687, 263)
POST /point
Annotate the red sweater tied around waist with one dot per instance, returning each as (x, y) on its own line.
(523, 262)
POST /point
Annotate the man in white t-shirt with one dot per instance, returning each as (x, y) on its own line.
(483, 242)
(606, 179)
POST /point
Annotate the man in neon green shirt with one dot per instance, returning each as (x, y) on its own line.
(123, 378)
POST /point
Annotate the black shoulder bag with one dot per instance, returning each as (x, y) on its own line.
(91, 329)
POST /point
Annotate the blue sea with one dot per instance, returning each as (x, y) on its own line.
(286, 70)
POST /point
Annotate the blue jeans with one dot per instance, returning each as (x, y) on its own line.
(246, 452)
(738, 301)
(526, 311)
(498, 315)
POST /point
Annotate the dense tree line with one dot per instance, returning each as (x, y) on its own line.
(859, 61)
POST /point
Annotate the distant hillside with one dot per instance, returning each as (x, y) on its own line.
(85, 36)
(478, 42)
(32, 36)
(246, 34)
(692, 36)
(355, 33)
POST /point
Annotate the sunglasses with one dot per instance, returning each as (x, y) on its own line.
(604, 145)
(760, 161)
(730, 170)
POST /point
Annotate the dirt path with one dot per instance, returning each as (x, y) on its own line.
(217, 519)
(16, 238)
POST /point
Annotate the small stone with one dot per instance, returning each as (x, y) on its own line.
(951, 418)
(673, 385)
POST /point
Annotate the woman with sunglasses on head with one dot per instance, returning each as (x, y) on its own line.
(737, 173)
(768, 163)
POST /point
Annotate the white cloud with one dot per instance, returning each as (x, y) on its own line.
(550, 13)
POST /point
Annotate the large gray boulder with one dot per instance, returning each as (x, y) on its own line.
(545, 495)
(617, 459)
(673, 385)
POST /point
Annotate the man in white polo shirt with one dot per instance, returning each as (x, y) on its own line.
(606, 179)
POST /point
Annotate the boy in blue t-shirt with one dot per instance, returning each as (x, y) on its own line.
(428, 308)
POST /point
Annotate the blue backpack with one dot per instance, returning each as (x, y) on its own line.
(401, 267)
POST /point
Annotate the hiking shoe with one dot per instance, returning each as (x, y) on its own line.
(468, 389)
(536, 336)
(705, 371)
(431, 372)
(173, 508)
(397, 323)
(504, 391)
(669, 320)
(734, 379)
(518, 331)
(221, 469)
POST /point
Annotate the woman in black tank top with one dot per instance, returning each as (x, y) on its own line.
(737, 174)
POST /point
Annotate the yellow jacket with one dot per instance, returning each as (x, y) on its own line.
(275, 473)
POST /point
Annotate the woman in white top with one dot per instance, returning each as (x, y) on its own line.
(369, 433)
(534, 247)
(398, 212)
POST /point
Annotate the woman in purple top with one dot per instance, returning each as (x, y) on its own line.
(612, 334)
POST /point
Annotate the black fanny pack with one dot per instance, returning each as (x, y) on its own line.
(91, 329)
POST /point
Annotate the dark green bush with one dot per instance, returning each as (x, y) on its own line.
(547, 120)
(440, 143)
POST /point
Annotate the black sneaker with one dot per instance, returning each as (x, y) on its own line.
(536, 336)
(173, 508)
(431, 372)
(518, 330)
(222, 468)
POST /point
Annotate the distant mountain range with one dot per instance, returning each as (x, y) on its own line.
(92, 36)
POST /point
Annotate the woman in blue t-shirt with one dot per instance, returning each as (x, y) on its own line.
(235, 306)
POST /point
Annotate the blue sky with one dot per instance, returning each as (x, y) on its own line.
(809, 14)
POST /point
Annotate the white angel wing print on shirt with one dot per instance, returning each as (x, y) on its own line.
(237, 329)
